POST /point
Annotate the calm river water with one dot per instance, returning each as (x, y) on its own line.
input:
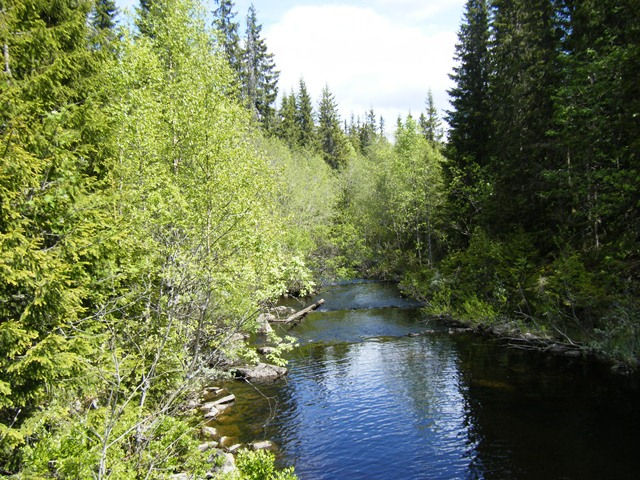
(365, 401)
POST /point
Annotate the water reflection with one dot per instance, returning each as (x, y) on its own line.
(364, 401)
(533, 416)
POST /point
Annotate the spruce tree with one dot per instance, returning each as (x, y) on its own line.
(143, 21)
(368, 131)
(259, 74)
(470, 118)
(223, 21)
(49, 218)
(430, 123)
(104, 15)
(330, 136)
(304, 116)
(287, 128)
(598, 176)
(524, 81)
(469, 122)
(353, 132)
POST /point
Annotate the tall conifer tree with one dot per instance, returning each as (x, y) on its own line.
(524, 81)
(304, 116)
(259, 74)
(287, 128)
(104, 15)
(225, 24)
(430, 123)
(598, 124)
(368, 131)
(469, 121)
(143, 21)
(49, 218)
(330, 136)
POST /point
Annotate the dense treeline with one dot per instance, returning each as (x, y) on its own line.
(542, 176)
(153, 197)
(142, 225)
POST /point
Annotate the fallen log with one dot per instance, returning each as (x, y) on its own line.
(299, 315)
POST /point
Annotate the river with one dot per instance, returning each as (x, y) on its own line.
(363, 400)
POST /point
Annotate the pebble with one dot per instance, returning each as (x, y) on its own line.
(210, 432)
(263, 445)
(203, 447)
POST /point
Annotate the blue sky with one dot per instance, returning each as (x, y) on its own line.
(381, 54)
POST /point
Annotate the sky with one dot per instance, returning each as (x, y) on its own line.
(380, 54)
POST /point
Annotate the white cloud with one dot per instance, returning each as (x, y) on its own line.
(418, 9)
(368, 60)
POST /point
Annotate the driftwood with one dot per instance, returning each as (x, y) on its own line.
(299, 315)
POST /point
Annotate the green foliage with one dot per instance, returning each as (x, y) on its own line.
(287, 128)
(469, 124)
(143, 220)
(412, 186)
(227, 28)
(331, 138)
(258, 73)
(430, 123)
(307, 192)
(280, 347)
(140, 228)
(388, 210)
(304, 117)
(51, 213)
(525, 47)
(618, 333)
(541, 193)
(487, 278)
(104, 15)
(74, 448)
(144, 20)
(259, 465)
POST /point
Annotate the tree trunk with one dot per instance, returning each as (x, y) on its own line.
(299, 315)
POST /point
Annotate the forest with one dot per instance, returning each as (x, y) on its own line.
(157, 191)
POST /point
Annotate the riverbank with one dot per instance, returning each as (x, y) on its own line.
(211, 406)
(225, 453)
(533, 336)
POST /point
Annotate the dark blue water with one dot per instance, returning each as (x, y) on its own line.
(365, 401)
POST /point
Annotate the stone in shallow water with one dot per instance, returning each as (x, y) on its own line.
(261, 372)
(283, 311)
(205, 407)
(222, 407)
(211, 393)
(263, 323)
(226, 442)
(211, 413)
(264, 445)
(224, 400)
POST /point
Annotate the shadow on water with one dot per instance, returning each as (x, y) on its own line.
(364, 401)
(535, 416)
